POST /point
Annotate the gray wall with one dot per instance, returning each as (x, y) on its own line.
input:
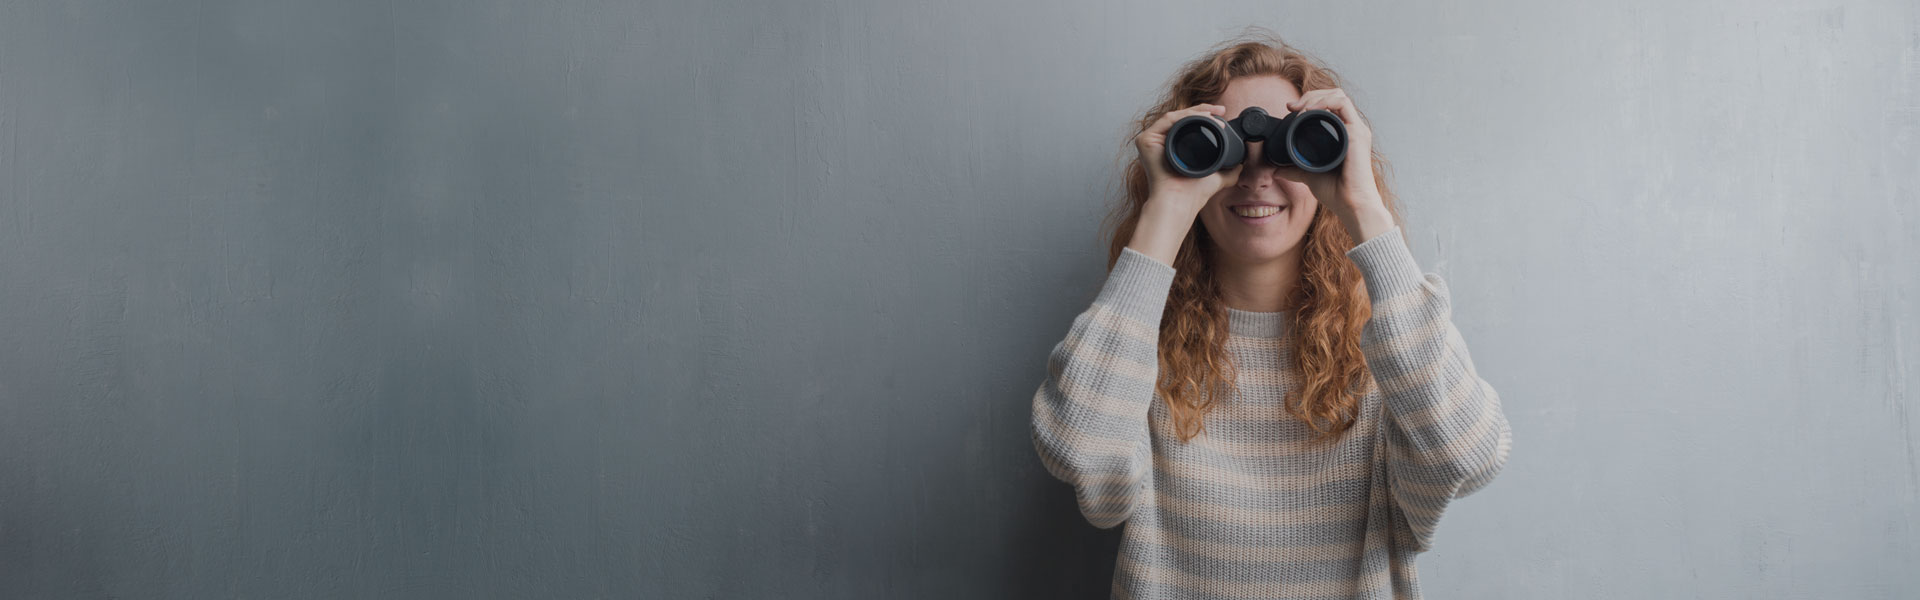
(578, 300)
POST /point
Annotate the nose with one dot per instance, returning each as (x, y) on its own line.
(1256, 173)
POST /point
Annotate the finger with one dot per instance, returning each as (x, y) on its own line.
(1298, 104)
(1322, 98)
(1166, 120)
(1337, 103)
(1309, 101)
(1161, 125)
(1156, 133)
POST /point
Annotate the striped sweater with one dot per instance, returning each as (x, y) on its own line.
(1249, 509)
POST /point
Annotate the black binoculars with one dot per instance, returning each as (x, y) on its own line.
(1313, 140)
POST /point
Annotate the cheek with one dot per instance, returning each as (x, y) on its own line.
(1213, 218)
(1298, 194)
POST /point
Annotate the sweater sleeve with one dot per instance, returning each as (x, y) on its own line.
(1446, 435)
(1090, 417)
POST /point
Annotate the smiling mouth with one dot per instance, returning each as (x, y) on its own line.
(1255, 212)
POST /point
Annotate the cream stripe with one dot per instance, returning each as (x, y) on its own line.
(1078, 445)
(1448, 369)
(1272, 553)
(1058, 467)
(1398, 307)
(1469, 443)
(1262, 374)
(1267, 449)
(1264, 483)
(1079, 352)
(1119, 321)
(1267, 517)
(1082, 441)
(1440, 493)
(1169, 575)
(1419, 512)
(1094, 396)
(1458, 396)
(1406, 345)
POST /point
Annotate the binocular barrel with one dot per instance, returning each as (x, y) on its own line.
(1313, 140)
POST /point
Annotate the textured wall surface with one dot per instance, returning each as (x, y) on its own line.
(355, 299)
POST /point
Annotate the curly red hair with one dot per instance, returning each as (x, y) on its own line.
(1329, 307)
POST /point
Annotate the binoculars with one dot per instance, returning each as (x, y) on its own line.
(1313, 140)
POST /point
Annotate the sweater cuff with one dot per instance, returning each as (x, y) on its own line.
(1387, 265)
(1137, 287)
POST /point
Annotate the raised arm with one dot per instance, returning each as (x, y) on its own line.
(1090, 416)
(1446, 435)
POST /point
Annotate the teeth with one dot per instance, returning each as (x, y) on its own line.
(1255, 211)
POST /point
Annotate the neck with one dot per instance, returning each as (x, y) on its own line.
(1257, 286)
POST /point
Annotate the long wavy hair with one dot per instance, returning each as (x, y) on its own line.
(1327, 310)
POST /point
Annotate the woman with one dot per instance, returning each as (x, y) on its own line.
(1273, 409)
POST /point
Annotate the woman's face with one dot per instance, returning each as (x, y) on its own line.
(1257, 239)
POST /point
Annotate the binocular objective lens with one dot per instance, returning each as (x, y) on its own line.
(1317, 143)
(1196, 147)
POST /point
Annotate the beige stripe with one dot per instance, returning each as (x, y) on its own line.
(1082, 441)
(1397, 307)
(1241, 417)
(1094, 397)
(1267, 449)
(1457, 399)
(1419, 521)
(1419, 512)
(1095, 490)
(1404, 347)
(1089, 356)
(1167, 575)
(1249, 346)
(1465, 445)
(1351, 550)
(1266, 483)
(1053, 414)
(1226, 513)
(1100, 479)
(1119, 321)
(1449, 362)
(1258, 374)
(1441, 494)
(1404, 341)
(1406, 571)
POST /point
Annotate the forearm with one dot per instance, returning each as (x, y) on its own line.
(1163, 226)
(1090, 416)
(1416, 355)
(1367, 221)
(1447, 436)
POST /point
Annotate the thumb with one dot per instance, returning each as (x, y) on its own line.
(1291, 174)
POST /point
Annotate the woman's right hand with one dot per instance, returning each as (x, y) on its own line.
(1173, 200)
(1164, 184)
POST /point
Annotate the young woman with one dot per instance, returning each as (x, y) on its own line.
(1274, 410)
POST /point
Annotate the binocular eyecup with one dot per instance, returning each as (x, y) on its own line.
(1314, 141)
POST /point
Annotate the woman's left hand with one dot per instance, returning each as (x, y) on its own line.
(1350, 190)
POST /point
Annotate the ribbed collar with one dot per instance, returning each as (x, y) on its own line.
(1256, 324)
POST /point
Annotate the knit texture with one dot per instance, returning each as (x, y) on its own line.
(1251, 509)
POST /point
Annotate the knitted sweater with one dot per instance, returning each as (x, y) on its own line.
(1250, 509)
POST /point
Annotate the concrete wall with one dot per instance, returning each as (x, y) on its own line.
(437, 299)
